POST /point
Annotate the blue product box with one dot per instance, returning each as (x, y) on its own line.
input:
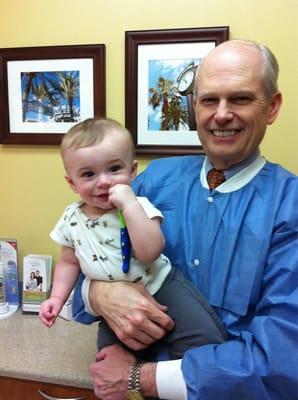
(9, 257)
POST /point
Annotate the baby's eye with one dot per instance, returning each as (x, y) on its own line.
(115, 168)
(87, 174)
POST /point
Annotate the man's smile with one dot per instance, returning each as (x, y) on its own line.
(225, 132)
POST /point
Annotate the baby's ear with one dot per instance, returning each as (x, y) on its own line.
(71, 183)
(134, 169)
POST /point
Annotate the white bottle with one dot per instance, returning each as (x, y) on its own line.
(4, 307)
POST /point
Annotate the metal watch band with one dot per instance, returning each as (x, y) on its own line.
(134, 375)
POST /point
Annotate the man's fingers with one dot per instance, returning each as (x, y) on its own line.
(146, 328)
(154, 302)
(156, 312)
(101, 355)
(135, 345)
(159, 318)
(141, 331)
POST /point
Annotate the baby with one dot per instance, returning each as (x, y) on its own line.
(96, 232)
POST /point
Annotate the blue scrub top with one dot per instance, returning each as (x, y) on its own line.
(240, 249)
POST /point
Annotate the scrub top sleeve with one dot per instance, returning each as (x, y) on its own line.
(80, 302)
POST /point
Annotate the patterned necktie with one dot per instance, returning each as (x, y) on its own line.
(215, 177)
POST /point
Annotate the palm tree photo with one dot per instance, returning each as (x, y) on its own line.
(173, 110)
(168, 109)
(50, 96)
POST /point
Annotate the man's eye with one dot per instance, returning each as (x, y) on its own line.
(241, 99)
(208, 101)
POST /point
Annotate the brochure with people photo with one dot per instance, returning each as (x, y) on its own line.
(37, 271)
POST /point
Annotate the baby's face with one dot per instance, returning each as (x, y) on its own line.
(93, 170)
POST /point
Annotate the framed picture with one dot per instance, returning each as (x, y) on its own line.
(159, 78)
(46, 90)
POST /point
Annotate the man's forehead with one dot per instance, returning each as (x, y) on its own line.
(229, 66)
(232, 56)
(236, 79)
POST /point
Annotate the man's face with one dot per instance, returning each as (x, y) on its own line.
(231, 108)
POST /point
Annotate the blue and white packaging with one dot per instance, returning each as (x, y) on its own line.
(9, 258)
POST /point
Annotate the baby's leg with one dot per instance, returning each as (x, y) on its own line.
(105, 336)
(196, 323)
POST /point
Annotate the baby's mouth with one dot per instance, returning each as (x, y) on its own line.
(103, 196)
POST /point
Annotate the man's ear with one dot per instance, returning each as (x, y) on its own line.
(71, 183)
(274, 108)
(134, 169)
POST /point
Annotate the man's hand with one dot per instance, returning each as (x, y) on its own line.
(110, 374)
(132, 313)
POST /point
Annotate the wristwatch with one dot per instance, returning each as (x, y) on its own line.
(134, 381)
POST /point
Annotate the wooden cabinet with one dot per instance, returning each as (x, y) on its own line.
(19, 389)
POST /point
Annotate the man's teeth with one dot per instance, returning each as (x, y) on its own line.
(224, 133)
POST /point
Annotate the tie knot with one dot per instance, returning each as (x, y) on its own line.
(215, 177)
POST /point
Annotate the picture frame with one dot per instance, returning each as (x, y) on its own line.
(46, 90)
(159, 76)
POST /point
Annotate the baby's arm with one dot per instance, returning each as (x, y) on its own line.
(145, 234)
(66, 274)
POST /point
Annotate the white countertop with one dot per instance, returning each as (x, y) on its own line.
(59, 355)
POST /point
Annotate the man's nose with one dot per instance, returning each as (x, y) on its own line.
(223, 112)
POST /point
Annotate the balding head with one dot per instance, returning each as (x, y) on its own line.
(269, 68)
(235, 101)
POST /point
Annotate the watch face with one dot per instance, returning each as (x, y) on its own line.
(185, 81)
(134, 395)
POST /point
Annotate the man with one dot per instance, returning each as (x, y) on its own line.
(237, 243)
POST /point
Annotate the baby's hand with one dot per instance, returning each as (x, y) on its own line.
(49, 310)
(121, 195)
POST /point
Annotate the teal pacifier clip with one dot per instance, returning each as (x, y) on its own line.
(125, 243)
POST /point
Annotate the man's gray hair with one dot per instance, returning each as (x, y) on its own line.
(270, 69)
